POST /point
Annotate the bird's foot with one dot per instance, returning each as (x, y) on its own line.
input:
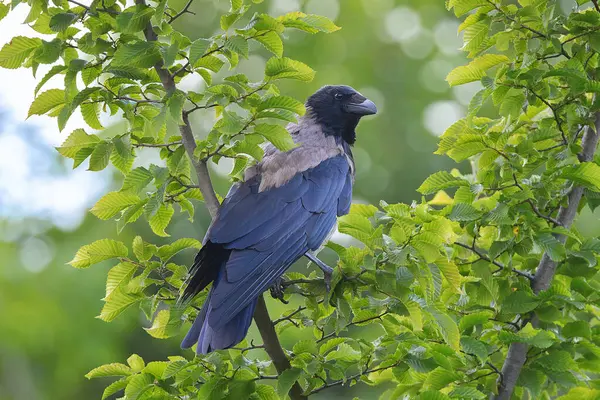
(278, 290)
(327, 270)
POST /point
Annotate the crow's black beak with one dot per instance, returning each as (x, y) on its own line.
(367, 107)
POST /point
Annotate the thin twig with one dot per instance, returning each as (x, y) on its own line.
(496, 263)
(185, 10)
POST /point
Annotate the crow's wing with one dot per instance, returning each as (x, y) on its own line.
(268, 231)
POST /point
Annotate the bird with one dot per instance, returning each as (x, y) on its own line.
(285, 208)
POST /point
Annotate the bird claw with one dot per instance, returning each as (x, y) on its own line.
(278, 290)
(327, 278)
(327, 270)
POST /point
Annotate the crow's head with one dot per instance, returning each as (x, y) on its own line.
(338, 109)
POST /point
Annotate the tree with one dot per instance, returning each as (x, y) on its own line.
(482, 288)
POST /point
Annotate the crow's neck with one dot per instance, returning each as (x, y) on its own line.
(343, 128)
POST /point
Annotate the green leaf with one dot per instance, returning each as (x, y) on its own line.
(113, 202)
(160, 219)
(559, 361)
(122, 157)
(76, 141)
(143, 251)
(519, 302)
(133, 22)
(57, 69)
(60, 22)
(100, 156)
(448, 328)
(197, 49)
(551, 246)
(277, 135)
(282, 102)
(271, 41)
(286, 380)
(471, 320)
(140, 54)
(167, 251)
(117, 302)
(137, 385)
(344, 352)
(91, 115)
(462, 7)
(47, 101)
(136, 180)
(529, 335)
(439, 181)
(475, 70)
(3, 10)
(440, 378)
(473, 346)
(308, 23)
(581, 393)
(577, 329)
(467, 392)
(237, 44)
(114, 369)
(280, 68)
(266, 392)
(14, 53)
(119, 276)
(166, 323)
(114, 388)
(586, 174)
(98, 251)
(213, 389)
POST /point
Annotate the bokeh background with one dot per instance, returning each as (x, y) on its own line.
(396, 52)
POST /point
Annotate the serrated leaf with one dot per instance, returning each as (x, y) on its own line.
(114, 369)
(237, 44)
(277, 135)
(111, 203)
(137, 385)
(114, 388)
(98, 251)
(47, 101)
(167, 251)
(282, 102)
(197, 49)
(475, 70)
(439, 181)
(138, 54)
(448, 329)
(160, 219)
(286, 380)
(14, 53)
(117, 302)
(91, 115)
(143, 251)
(60, 22)
(558, 361)
(100, 156)
(586, 174)
(166, 323)
(57, 69)
(77, 140)
(280, 68)
(119, 275)
(519, 302)
(551, 246)
(136, 180)
(133, 22)
(271, 41)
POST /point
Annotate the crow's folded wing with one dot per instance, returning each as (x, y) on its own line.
(268, 231)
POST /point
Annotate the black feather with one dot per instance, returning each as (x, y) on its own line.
(206, 267)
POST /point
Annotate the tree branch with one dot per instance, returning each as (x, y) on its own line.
(517, 352)
(272, 345)
(261, 315)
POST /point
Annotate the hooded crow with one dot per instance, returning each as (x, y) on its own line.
(285, 209)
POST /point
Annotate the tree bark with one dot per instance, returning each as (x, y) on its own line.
(517, 352)
(261, 314)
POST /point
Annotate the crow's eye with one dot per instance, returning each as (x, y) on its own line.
(338, 96)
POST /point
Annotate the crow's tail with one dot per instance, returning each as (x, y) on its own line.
(208, 266)
(225, 337)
